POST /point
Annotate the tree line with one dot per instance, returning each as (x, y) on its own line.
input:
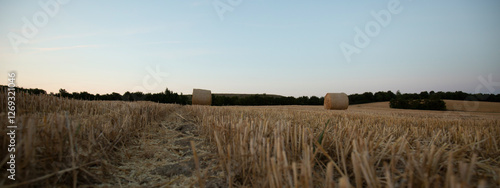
(163, 97)
(407, 100)
(381, 96)
(425, 101)
(265, 100)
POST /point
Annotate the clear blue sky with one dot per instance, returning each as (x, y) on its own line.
(281, 47)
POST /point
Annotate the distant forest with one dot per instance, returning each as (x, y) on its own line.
(262, 99)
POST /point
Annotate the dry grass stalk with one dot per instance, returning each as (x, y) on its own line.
(344, 182)
(329, 182)
(201, 182)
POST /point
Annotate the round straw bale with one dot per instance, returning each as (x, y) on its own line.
(201, 97)
(336, 101)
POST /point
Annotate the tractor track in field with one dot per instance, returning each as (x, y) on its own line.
(164, 158)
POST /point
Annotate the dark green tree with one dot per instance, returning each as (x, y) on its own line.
(127, 96)
(64, 93)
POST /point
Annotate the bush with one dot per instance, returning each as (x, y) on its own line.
(418, 104)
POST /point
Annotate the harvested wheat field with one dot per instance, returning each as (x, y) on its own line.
(453, 105)
(144, 144)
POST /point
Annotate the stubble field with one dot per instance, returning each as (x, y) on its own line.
(144, 144)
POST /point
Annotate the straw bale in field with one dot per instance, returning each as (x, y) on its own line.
(202, 97)
(336, 101)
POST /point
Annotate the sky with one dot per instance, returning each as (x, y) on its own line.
(291, 48)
